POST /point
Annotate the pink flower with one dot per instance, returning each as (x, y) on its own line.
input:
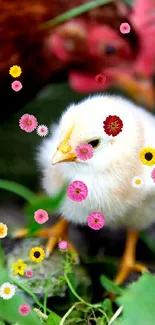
(29, 273)
(42, 130)
(96, 220)
(84, 151)
(125, 28)
(77, 191)
(63, 245)
(41, 216)
(153, 174)
(28, 123)
(24, 309)
(16, 85)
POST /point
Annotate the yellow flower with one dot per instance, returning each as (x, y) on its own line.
(15, 71)
(147, 156)
(19, 267)
(37, 254)
(3, 230)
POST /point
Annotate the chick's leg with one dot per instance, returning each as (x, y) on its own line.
(54, 233)
(128, 262)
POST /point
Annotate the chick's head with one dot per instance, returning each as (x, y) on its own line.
(83, 123)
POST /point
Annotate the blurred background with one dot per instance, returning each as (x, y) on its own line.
(60, 56)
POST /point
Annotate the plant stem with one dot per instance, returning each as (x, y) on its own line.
(68, 312)
(104, 314)
(74, 13)
(29, 292)
(40, 314)
(77, 296)
(17, 189)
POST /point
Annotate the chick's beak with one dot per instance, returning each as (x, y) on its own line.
(63, 154)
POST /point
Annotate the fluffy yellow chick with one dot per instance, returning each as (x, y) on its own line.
(110, 173)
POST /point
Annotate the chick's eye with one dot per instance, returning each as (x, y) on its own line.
(110, 49)
(94, 143)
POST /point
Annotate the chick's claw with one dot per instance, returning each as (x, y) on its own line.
(54, 233)
(126, 270)
(128, 264)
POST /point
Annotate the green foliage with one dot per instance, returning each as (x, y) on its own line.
(17, 189)
(138, 302)
(9, 308)
(53, 319)
(129, 2)
(110, 285)
(107, 307)
(72, 280)
(74, 12)
(50, 204)
(34, 202)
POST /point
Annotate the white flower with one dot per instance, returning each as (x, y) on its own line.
(3, 230)
(7, 290)
(137, 182)
(42, 130)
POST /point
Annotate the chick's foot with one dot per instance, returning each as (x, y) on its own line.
(54, 233)
(128, 264)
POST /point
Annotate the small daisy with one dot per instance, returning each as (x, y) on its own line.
(19, 267)
(147, 156)
(16, 85)
(77, 191)
(113, 125)
(96, 220)
(137, 182)
(100, 79)
(7, 290)
(37, 254)
(28, 123)
(3, 230)
(29, 273)
(41, 216)
(125, 28)
(63, 245)
(84, 151)
(24, 309)
(42, 130)
(15, 71)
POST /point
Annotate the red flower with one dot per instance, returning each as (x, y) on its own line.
(113, 125)
(100, 79)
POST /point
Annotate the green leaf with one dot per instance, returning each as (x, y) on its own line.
(9, 308)
(72, 280)
(110, 285)
(53, 319)
(138, 302)
(100, 321)
(1, 255)
(107, 307)
(17, 189)
(74, 13)
(129, 2)
(1, 322)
